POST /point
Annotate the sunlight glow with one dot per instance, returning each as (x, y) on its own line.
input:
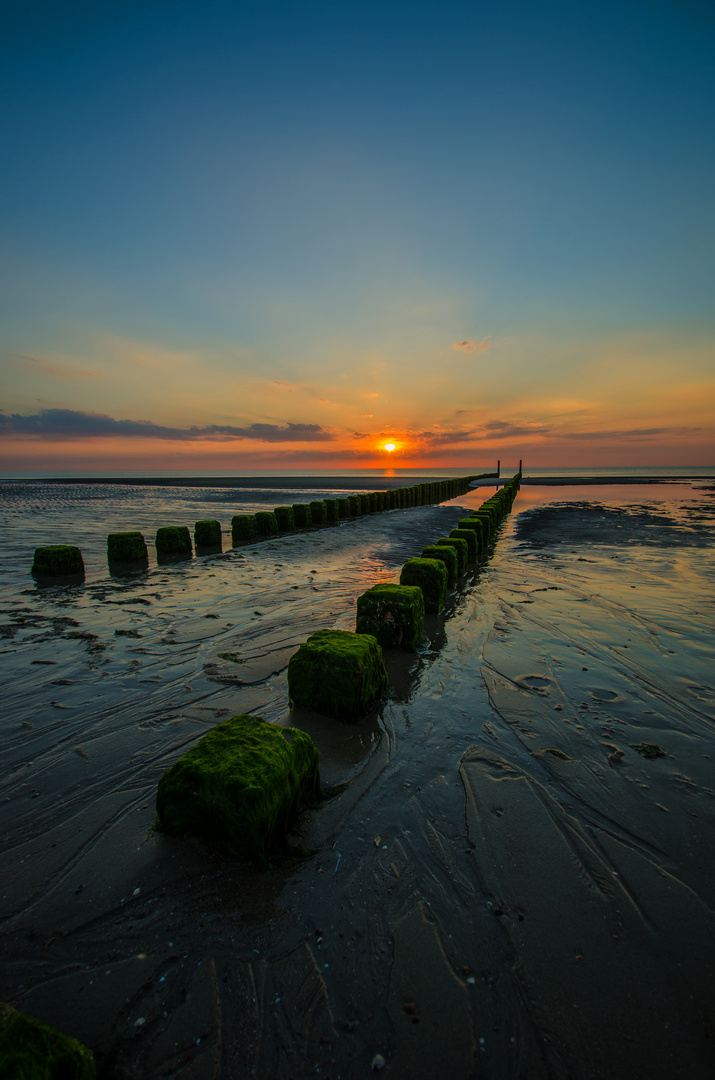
(390, 446)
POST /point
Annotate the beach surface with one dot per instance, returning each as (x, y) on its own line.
(503, 881)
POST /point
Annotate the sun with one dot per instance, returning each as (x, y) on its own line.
(390, 446)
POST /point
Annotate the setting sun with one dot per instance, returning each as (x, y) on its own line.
(390, 446)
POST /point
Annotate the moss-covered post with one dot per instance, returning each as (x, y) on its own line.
(364, 502)
(284, 518)
(460, 546)
(344, 508)
(355, 506)
(173, 541)
(241, 786)
(332, 510)
(470, 538)
(338, 674)
(448, 557)
(31, 1050)
(431, 576)
(302, 516)
(318, 512)
(207, 535)
(394, 614)
(127, 548)
(58, 560)
(243, 528)
(266, 524)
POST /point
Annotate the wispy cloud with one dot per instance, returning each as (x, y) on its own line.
(60, 371)
(473, 346)
(74, 424)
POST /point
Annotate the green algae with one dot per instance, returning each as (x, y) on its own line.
(285, 518)
(173, 540)
(127, 547)
(57, 560)
(364, 502)
(302, 516)
(394, 614)
(344, 508)
(266, 523)
(460, 546)
(207, 534)
(243, 528)
(338, 674)
(30, 1050)
(647, 750)
(355, 505)
(448, 557)
(431, 576)
(470, 538)
(241, 786)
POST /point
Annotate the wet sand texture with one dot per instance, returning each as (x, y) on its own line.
(488, 895)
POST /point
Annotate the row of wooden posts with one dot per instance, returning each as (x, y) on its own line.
(342, 674)
(129, 549)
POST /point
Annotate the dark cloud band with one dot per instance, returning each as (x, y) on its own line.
(73, 424)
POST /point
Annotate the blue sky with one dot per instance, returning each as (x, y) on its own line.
(227, 216)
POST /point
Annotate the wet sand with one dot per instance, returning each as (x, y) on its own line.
(504, 888)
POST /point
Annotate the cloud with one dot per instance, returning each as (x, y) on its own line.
(473, 346)
(630, 433)
(73, 424)
(61, 372)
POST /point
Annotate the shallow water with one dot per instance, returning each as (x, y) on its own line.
(502, 862)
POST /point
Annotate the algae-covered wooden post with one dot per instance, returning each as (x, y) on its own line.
(318, 512)
(332, 510)
(302, 516)
(470, 537)
(58, 560)
(338, 674)
(243, 528)
(448, 557)
(126, 548)
(431, 576)
(285, 519)
(173, 540)
(207, 535)
(394, 614)
(343, 508)
(241, 786)
(31, 1050)
(458, 545)
(266, 524)
(355, 505)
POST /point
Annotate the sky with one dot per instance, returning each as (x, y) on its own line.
(278, 235)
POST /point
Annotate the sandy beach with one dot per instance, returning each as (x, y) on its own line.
(500, 881)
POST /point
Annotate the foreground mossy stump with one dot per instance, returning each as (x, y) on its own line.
(355, 505)
(431, 576)
(332, 511)
(207, 534)
(266, 524)
(57, 560)
(241, 786)
(30, 1050)
(302, 516)
(394, 614)
(243, 528)
(448, 557)
(173, 540)
(127, 547)
(338, 674)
